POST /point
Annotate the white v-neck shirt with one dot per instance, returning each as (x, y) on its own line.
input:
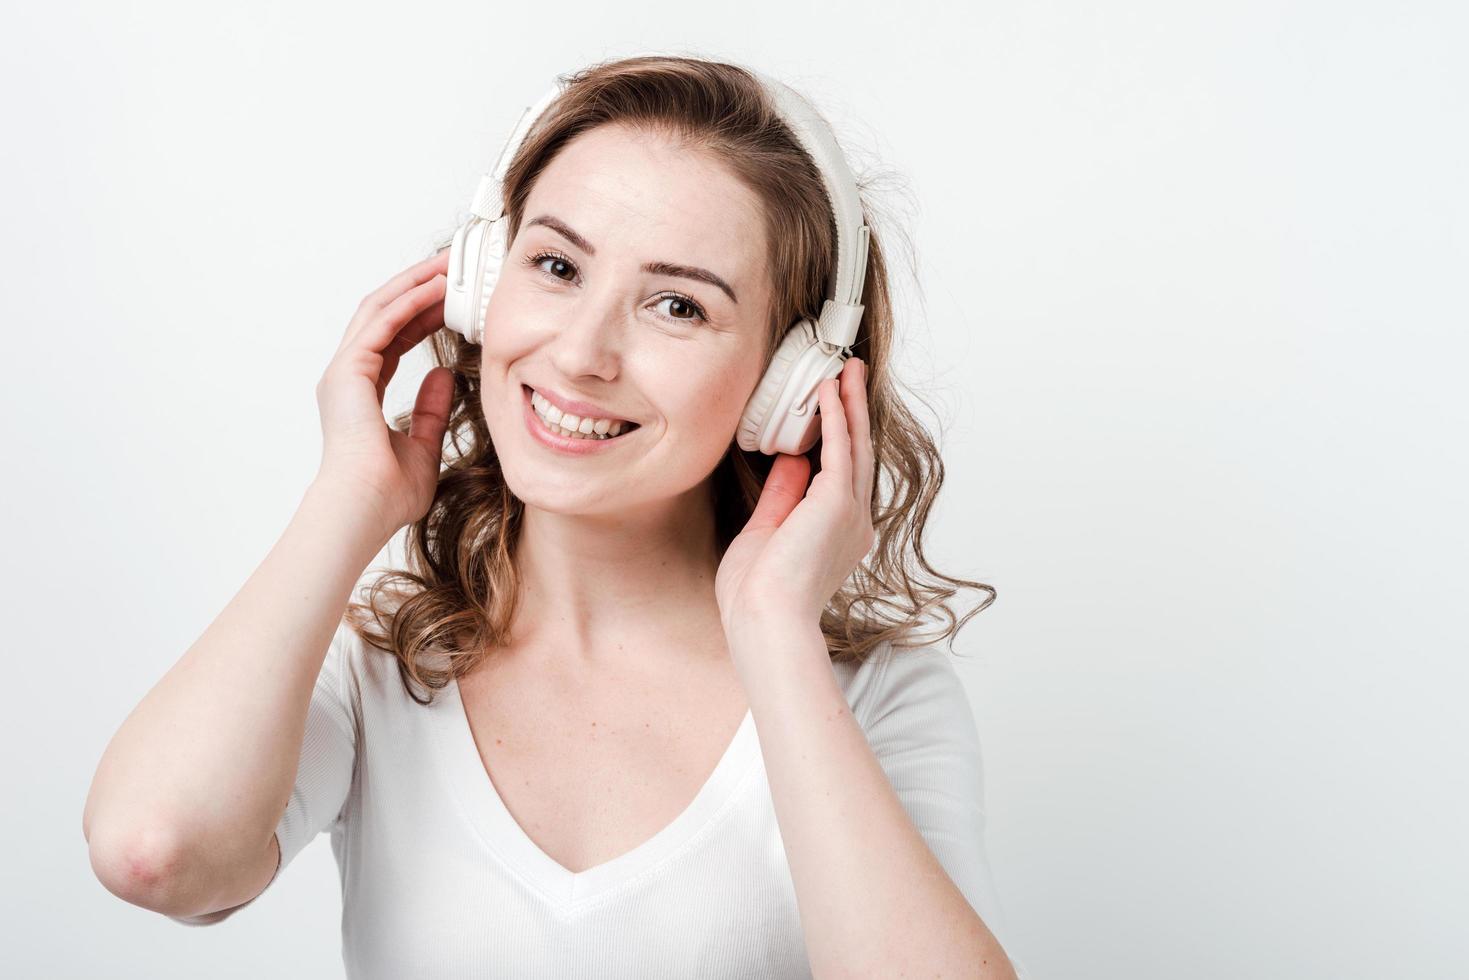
(439, 881)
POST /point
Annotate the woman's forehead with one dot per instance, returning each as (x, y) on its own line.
(636, 192)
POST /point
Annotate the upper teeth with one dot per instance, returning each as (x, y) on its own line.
(575, 423)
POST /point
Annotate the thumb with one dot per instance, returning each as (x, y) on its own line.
(431, 409)
(785, 487)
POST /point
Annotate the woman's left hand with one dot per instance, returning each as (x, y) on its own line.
(802, 543)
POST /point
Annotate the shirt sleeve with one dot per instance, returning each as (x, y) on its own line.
(921, 727)
(328, 752)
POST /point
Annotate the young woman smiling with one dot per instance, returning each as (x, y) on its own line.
(642, 703)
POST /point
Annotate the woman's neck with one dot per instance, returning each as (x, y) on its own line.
(599, 589)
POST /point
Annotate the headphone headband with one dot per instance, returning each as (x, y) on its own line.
(841, 313)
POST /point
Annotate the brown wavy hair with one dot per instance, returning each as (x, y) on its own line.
(453, 604)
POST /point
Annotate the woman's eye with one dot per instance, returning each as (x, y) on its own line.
(556, 261)
(682, 308)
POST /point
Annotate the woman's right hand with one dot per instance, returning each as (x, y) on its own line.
(390, 474)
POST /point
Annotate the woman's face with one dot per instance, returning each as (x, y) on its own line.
(610, 295)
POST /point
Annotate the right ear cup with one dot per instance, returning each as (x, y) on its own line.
(757, 409)
(475, 257)
(781, 415)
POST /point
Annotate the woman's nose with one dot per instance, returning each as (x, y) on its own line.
(588, 339)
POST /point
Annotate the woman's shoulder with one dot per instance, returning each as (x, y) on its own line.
(372, 676)
(359, 670)
(907, 676)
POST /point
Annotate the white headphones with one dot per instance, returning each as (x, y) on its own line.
(781, 416)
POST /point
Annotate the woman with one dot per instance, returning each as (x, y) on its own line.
(622, 714)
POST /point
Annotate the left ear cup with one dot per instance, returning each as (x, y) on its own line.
(781, 415)
(475, 257)
(491, 260)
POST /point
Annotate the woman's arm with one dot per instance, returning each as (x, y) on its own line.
(874, 899)
(189, 791)
(184, 802)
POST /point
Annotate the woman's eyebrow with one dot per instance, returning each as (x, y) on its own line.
(657, 268)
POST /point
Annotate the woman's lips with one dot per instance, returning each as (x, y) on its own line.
(565, 444)
(581, 410)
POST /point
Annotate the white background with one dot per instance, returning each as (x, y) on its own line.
(1193, 335)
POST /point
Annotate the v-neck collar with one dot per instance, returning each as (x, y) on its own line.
(561, 888)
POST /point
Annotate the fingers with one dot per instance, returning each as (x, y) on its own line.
(854, 397)
(410, 336)
(836, 443)
(374, 352)
(784, 488)
(419, 272)
(431, 409)
(380, 329)
(379, 300)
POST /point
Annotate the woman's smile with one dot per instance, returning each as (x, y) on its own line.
(553, 437)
